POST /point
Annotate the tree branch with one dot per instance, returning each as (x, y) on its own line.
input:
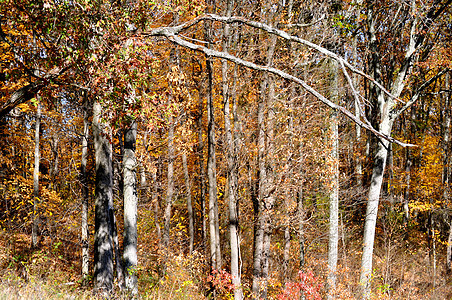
(416, 95)
(171, 34)
(20, 96)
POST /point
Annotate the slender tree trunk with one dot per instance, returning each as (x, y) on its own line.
(116, 251)
(170, 188)
(266, 188)
(130, 257)
(103, 240)
(155, 197)
(191, 231)
(202, 175)
(408, 165)
(334, 196)
(358, 168)
(449, 250)
(211, 173)
(36, 201)
(232, 169)
(259, 228)
(447, 167)
(286, 254)
(54, 170)
(289, 192)
(300, 218)
(270, 198)
(85, 195)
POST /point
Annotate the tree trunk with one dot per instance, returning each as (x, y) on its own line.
(372, 210)
(386, 115)
(334, 196)
(130, 258)
(408, 165)
(54, 171)
(155, 197)
(191, 232)
(170, 188)
(358, 168)
(269, 197)
(231, 169)
(36, 201)
(259, 227)
(449, 249)
(211, 173)
(447, 167)
(300, 218)
(266, 188)
(117, 253)
(202, 175)
(103, 240)
(85, 195)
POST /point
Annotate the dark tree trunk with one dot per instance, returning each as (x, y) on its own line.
(103, 239)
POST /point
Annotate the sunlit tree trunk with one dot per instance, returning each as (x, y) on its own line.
(447, 166)
(191, 232)
(358, 167)
(85, 195)
(384, 105)
(289, 192)
(334, 194)
(170, 187)
(130, 258)
(265, 194)
(259, 228)
(270, 189)
(36, 201)
(231, 168)
(103, 240)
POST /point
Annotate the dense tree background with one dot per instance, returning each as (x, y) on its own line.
(195, 149)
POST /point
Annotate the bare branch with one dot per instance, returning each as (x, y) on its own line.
(296, 39)
(306, 25)
(171, 34)
(416, 95)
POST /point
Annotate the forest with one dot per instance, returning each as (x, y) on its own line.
(235, 149)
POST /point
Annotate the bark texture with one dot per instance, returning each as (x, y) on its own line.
(103, 240)
(191, 232)
(85, 196)
(334, 195)
(215, 252)
(130, 258)
(37, 155)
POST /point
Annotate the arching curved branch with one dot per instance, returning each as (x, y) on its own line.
(172, 34)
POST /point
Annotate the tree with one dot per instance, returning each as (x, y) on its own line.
(103, 239)
(232, 180)
(130, 208)
(334, 196)
(85, 193)
(36, 201)
(387, 112)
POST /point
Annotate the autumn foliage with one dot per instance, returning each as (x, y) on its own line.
(66, 55)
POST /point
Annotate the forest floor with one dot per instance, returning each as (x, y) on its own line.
(402, 271)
